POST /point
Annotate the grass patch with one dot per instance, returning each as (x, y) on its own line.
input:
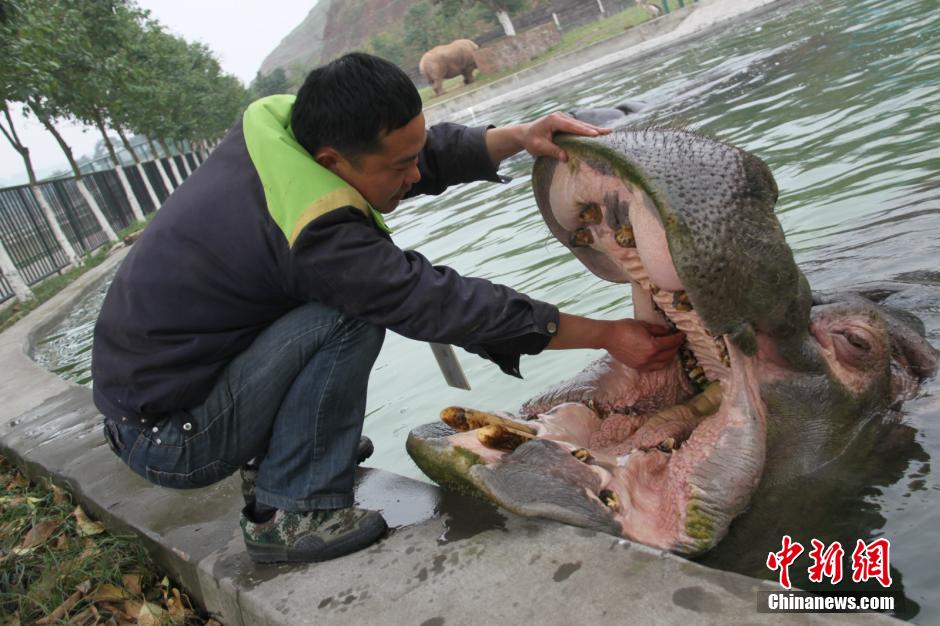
(57, 566)
(571, 40)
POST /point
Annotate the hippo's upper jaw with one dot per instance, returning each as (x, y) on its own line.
(669, 458)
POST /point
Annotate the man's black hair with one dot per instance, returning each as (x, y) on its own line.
(351, 102)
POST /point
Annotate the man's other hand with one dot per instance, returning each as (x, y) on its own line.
(641, 345)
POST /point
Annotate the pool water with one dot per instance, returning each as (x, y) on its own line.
(842, 100)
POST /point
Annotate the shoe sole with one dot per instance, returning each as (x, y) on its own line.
(365, 537)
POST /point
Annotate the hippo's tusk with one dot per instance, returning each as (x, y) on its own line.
(580, 238)
(501, 438)
(462, 419)
(591, 214)
(689, 412)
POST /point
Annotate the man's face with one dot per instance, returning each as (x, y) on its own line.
(384, 177)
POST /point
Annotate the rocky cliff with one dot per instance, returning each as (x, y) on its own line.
(333, 27)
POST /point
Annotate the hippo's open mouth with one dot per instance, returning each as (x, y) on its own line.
(669, 457)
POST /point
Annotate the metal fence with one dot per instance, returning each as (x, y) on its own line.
(26, 233)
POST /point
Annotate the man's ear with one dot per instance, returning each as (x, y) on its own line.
(329, 158)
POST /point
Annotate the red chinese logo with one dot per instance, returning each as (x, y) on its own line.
(826, 563)
(871, 561)
(782, 560)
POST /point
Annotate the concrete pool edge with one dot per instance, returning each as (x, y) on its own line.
(449, 559)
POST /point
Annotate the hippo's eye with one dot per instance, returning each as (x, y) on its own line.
(856, 340)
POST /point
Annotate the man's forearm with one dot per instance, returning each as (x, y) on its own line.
(578, 332)
(506, 141)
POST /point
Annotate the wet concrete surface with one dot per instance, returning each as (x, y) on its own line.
(448, 558)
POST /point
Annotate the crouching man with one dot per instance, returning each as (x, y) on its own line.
(245, 321)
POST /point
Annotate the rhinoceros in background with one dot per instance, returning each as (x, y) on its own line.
(447, 61)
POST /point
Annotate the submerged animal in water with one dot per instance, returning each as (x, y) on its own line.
(772, 382)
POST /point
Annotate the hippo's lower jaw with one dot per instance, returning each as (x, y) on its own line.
(633, 454)
(679, 494)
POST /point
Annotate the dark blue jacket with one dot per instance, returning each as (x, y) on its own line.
(212, 270)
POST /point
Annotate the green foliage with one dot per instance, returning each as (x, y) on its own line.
(430, 23)
(269, 84)
(107, 63)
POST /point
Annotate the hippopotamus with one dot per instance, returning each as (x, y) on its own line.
(772, 383)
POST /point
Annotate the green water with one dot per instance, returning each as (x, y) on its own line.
(842, 99)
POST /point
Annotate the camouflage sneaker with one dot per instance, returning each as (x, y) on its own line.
(294, 537)
(249, 471)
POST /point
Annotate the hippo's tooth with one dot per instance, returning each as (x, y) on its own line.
(668, 445)
(609, 498)
(654, 289)
(583, 455)
(591, 213)
(462, 419)
(624, 237)
(501, 438)
(581, 238)
(681, 302)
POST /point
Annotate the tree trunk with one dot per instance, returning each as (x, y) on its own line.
(170, 159)
(506, 23)
(70, 252)
(79, 182)
(119, 170)
(20, 288)
(140, 167)
(155, 155)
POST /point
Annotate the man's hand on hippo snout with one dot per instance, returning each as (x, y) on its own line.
(637, 344)
(536, 137)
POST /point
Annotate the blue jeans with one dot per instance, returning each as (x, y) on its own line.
(295, 399)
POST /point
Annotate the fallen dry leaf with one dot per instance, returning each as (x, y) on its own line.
(80, 618)
(86, 526)
(176, 608)
(132, 608)
(132, 583)
(83, 586)
(18, 481)
(108, 593)
(36, 536)
(59, 495)
(60, 610)
(150, 615)
(60, 543)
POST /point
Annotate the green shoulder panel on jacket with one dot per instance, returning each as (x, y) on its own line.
(297, 189)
